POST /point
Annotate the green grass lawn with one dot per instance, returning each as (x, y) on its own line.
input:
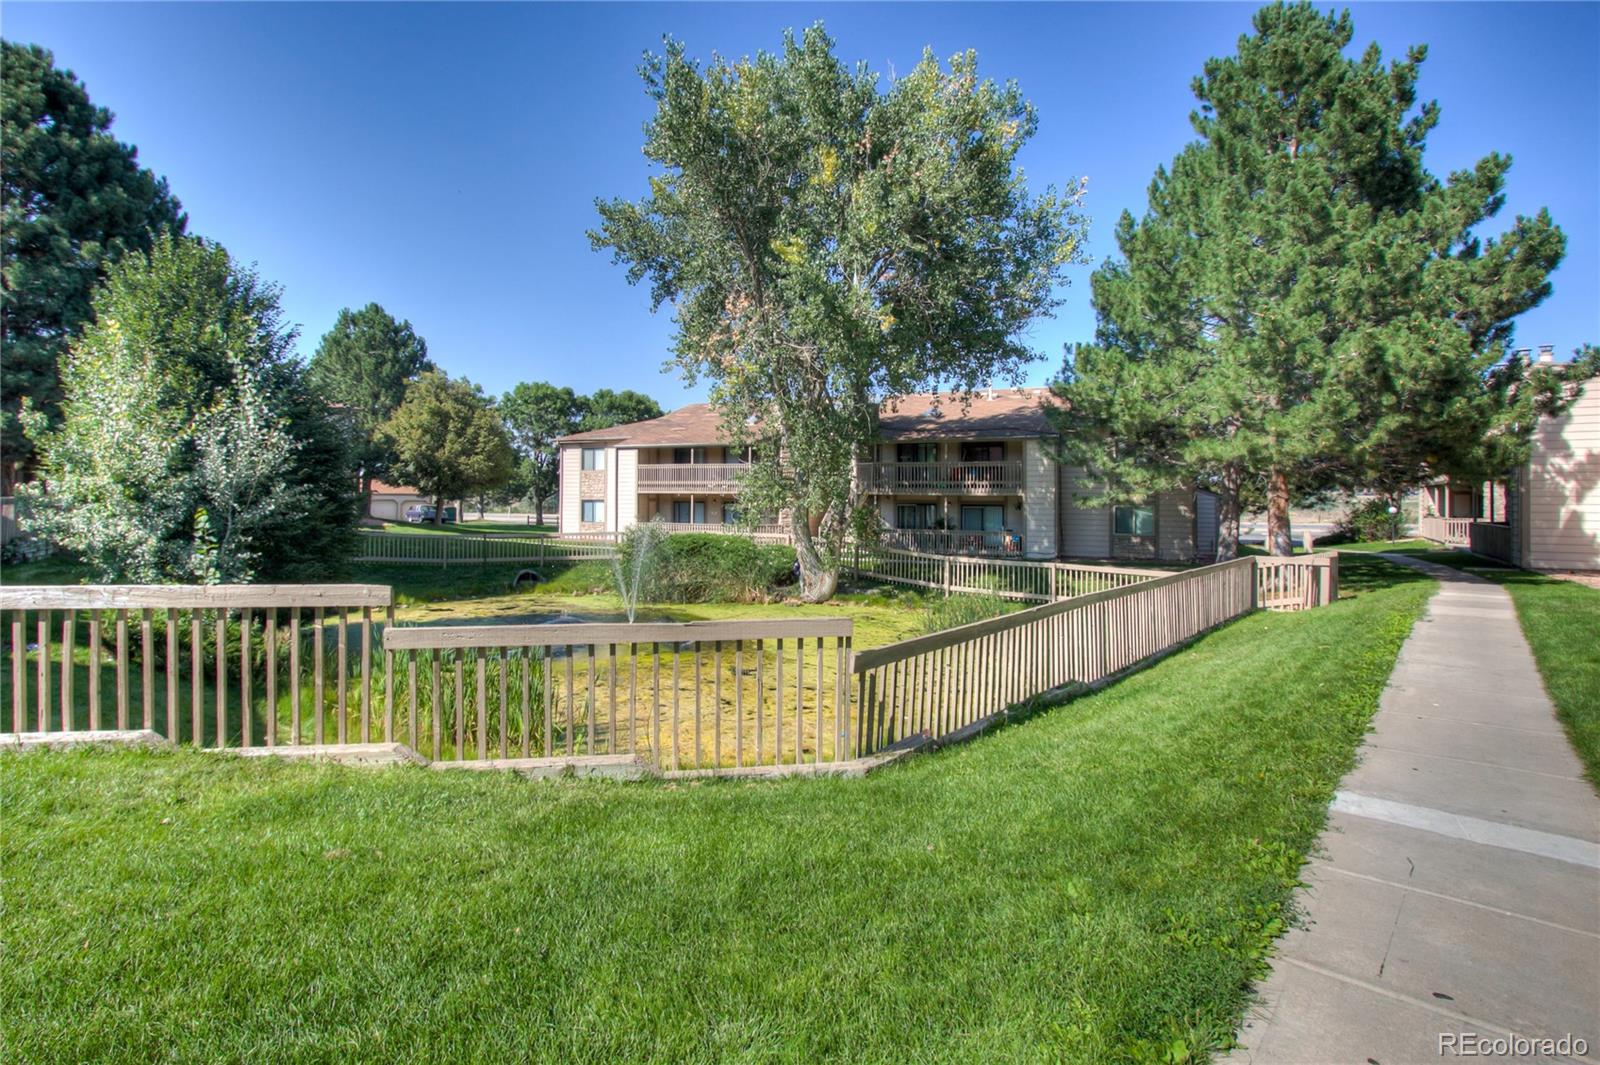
(1096, 883)
(1561, 620)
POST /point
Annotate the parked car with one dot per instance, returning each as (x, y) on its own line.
(423, 514)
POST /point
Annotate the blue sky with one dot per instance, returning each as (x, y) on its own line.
(443, 160)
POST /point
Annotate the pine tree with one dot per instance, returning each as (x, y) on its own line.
(1302, 301)
(74, 201)
(364, 364)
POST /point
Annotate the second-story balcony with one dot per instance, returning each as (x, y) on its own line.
(688, 477)
(940, 478)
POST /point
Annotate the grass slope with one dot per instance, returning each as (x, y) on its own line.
(1096, 883)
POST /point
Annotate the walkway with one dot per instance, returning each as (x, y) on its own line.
(1457, 887)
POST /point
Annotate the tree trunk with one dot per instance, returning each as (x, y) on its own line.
(817, 581)
(366, 496)
(438, 512)
(538, 507)
(1228, 513)
(1279, 538)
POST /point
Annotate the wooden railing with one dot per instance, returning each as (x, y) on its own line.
(1490, 540)
(1297, 582)
(214, 666)
(938, 686)
(954, 541)
(245, 666)
(445, 549)
(691, 476)
(761, 534)
(1007, 578)
(694, 695)
(1487, 538)
(943, 478)
(1452, 532)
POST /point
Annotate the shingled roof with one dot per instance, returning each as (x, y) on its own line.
(993, 414)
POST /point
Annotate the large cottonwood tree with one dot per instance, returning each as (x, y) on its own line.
(827, 242)
(1303, 303)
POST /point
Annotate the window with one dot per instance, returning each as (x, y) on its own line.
(683, 456)
(594, 458)
(915, 516)
(730, 514)
(983, 452)
(685, 513)
(983, 519)
(916, 452)
(594, 510)
(1134, 521)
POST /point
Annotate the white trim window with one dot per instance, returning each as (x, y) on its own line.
(594, 458)
(594, 510)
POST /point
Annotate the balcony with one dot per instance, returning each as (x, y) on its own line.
(695, 477)
(994, 542)
(940, 478)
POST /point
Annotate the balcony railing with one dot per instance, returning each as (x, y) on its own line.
(954, 541)
(691, 477)
(942, 478)
(761, 534)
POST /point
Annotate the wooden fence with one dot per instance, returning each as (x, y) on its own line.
(1008, 578)
(215, 666)
(447, 549)
(1452, 532)
(680, 696)
(1491, 540)
(1487, 538)
(1297, 582)
(936, 686)
(244, 666)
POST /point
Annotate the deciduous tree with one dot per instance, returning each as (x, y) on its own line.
(604, 408)
(448, 440)
(75, 199)
(827, 243)
(190, 447)
(536, 413)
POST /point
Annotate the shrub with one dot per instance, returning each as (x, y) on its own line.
(1366, 521)
(709, 567)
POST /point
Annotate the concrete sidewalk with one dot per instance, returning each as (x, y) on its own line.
(1457, 887)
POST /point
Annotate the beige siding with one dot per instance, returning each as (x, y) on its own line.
(571, 460)
(1562, 514)
(626, 506)
(1085, 533)
(1039, 487)
(1175, 526)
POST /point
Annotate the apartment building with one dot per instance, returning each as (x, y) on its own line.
(945, 476)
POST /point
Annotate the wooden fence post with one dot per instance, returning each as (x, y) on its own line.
(947, 576)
